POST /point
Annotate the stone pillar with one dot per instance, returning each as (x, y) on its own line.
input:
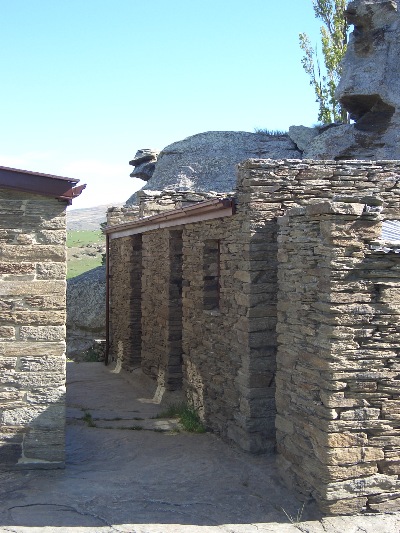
(126, 300)
(173, 355)
(337, 380)
(257, 329)
(162, 307)
(32, 331)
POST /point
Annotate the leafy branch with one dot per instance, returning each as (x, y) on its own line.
(333, 46)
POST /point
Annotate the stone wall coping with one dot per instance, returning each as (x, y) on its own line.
(385, 247)
(207, 210)
(328, 207)
(178, 192)
(305, 163)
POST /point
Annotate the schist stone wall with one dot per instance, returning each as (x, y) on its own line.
(154, 202)
(228, 338)
(338, 358)
(125, 300)
(162, 307)
(32, 331)
(197, 283)
(209, 305)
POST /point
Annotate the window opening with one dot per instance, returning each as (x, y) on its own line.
(211, 270)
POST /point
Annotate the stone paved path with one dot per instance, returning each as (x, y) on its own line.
(120, 479)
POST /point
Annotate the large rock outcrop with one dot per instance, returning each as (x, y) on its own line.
(86, 304)
(369, 88)
(207, 161)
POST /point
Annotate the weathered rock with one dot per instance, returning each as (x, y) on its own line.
(368, 89)
(144, 163)
(144, 155)
(86, 295)
(143, 171)
(207, 161)
(302, 136)
(331, 142)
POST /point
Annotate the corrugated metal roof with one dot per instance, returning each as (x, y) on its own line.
(391, 230)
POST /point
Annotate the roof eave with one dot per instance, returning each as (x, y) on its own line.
(48, 185)
(207, 210)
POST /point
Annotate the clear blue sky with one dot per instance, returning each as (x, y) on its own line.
(85, 83)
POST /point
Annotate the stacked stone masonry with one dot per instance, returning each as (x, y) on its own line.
(333, 323)
(157, 308)
(120, 215)
(125, 300)
(32, 331)
(154, 202)
(209, 348)
(338, 359)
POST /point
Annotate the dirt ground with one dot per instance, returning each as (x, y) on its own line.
(127, 471)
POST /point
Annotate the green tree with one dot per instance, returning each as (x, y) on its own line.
(333, 44)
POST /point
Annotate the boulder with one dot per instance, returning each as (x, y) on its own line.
(144, 163)
(86, 304)
(333, 143)
(369, 87)
(144, 155)
(302, 136)
(207, 161)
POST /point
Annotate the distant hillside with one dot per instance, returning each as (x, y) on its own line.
(85, 250)
(88, 218)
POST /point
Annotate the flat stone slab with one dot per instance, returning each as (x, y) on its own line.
(123, 480)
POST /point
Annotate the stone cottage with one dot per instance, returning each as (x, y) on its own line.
(32, 309)
(276, 310)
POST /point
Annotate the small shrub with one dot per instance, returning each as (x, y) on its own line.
(275, 133)
(90, 356)
(87, 417)
(190, 421)
(172, 410)
(187, 416)
(296, 519)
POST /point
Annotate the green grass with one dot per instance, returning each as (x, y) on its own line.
(87, 417)
(82, 238)
(76, 267)
(296, 519)
(187, 415)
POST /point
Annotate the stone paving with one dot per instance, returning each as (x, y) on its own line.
(119, 478)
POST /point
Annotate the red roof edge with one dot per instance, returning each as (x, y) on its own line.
(33, 173)
(43, 184)
(199, 210)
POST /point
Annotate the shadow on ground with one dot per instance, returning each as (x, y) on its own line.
(130, 472)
